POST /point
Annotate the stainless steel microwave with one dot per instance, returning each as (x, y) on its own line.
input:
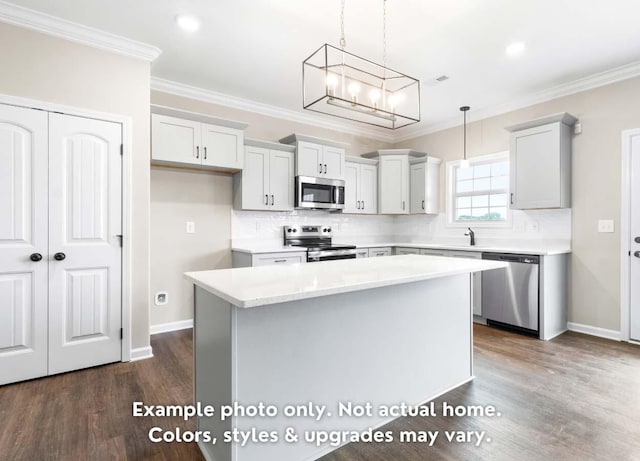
(319, 193)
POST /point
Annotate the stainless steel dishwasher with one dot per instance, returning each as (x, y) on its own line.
(510, 296)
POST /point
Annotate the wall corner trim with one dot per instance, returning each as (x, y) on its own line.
(170, 326)
(594, 331)
(75, 32)
(141, 353)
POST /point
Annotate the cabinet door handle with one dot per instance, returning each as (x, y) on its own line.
(511, 198)
(272, 200)
(423, 204)
(325, 168)
(319, 167)
(266, 199)
(197, 151)
(357, 204)
(403, 205)
(362, 204)
(205, 152)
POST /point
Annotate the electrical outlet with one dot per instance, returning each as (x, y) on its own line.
(191, 227)
(532, 226)
(606, 225)
(161, 298)
(577, 128)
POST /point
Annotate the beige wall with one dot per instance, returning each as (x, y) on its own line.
(179, 196)
(594, 291)
(49, 69)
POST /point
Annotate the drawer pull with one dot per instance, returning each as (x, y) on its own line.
(280, 261)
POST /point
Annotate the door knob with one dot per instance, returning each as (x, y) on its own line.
(637, 239)
(35, 257)
(59, 256)
(636, 254)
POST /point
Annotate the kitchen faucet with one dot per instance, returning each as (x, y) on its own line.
(471, 235)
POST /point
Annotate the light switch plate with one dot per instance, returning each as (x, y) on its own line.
(191, 227)
(606, 225)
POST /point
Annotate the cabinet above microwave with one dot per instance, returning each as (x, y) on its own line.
(317, 157)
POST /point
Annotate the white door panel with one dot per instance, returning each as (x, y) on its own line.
(222, 146)
(23, 232)
(368, 189)
(84, 225)
(281, 180)
(634, 324)
(351, 188)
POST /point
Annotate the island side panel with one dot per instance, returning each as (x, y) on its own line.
(213, 361)
(405, 343)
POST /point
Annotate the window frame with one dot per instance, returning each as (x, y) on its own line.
(451, 168)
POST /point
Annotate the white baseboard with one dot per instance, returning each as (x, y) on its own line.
(171, 326)
(141, 353)
(594, 331)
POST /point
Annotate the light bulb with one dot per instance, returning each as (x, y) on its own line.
(332, 82)
(354, 89)
(188, 23)
(374, 95)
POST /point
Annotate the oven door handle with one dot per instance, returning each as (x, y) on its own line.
(323, 253)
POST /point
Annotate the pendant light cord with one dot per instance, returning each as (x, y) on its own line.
(343, 42)
(384, 33)
(464, 110)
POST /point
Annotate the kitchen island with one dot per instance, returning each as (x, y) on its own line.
(333, 341)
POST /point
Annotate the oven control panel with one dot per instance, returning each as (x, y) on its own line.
(307, 231)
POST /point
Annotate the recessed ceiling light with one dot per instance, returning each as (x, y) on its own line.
(515, 49)
(188, 23)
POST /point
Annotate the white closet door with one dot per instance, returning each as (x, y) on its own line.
(23, 232)
(85, 299)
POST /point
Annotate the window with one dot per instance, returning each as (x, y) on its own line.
(479, 193)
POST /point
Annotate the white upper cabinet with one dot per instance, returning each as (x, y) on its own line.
(266, 182)
(175, 140)
(425, 185)
(361, 186)
(393, 179)
(316, 157)
(185, 139)
(540, 162)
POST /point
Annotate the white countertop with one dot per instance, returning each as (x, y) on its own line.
(527, 249)
(258, 286)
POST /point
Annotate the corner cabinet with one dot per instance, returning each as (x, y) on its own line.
(266, 181)
(361, 185)
(394, 191)
(193, 140)
(317, 157)
(424, 178)
(540, 162)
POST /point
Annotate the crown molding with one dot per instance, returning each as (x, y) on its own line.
(68, 30)
(213, 97)
(590, 82)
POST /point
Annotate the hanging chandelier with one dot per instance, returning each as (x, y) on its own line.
(342, 84)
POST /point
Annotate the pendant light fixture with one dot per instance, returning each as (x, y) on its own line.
(464, 163)
(345, 85)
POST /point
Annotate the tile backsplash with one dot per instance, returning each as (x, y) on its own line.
(266, 226)
(531, 226)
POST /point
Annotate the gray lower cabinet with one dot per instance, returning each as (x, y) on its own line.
(476, 288)
(380, 251)
(477, 277)
(242, 259)
(407, 251)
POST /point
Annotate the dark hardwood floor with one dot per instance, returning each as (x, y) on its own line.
(573, 398)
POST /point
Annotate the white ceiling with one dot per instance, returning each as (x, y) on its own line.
(253, 49)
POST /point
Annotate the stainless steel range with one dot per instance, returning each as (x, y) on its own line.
(317, 241)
